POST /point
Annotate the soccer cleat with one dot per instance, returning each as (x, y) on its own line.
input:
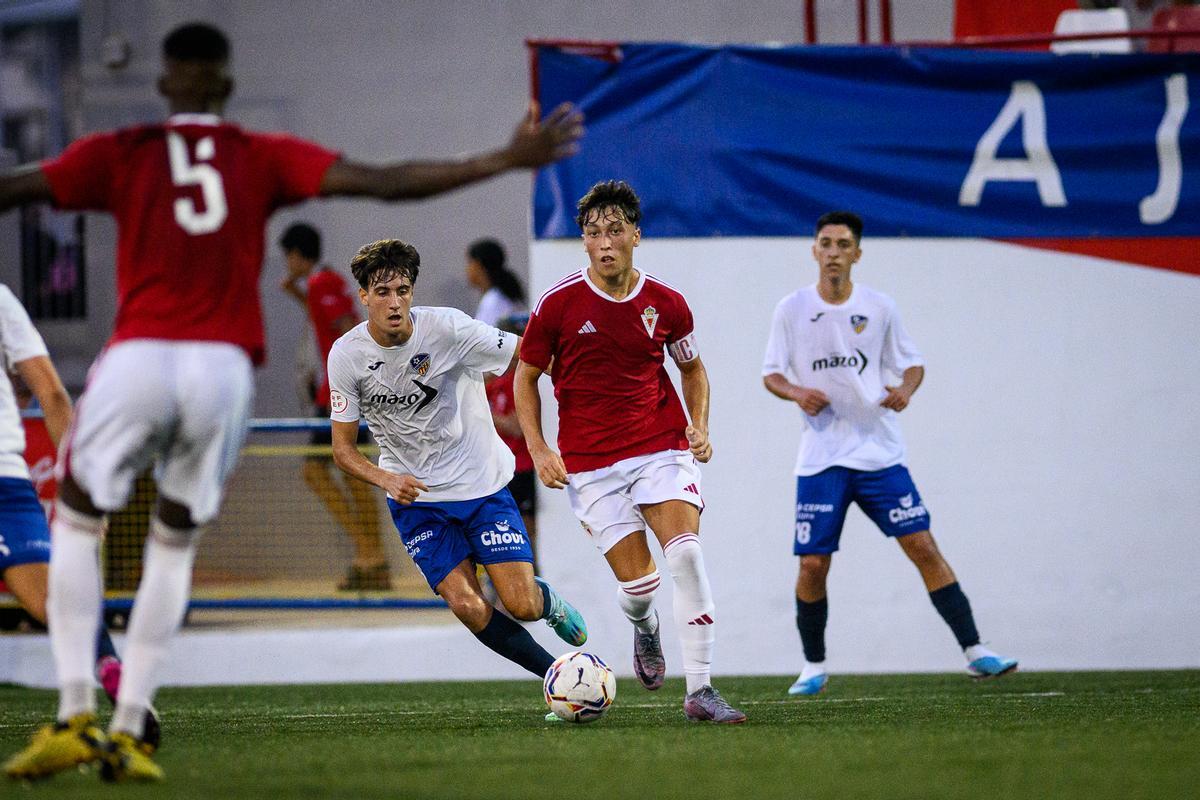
(648, 662)
(58, 747)
(552, 717)
(813, 685)
(108, 673)
(566, 621)
(706, 705)
(125, 758)
(991, 666)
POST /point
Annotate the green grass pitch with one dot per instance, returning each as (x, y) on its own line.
(1090, 735)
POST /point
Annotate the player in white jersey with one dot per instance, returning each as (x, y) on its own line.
(833, 345)
(416, 376)
(24, 531)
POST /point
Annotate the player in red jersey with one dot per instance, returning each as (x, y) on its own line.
(191, 198)
(331, 307)
(628, 453)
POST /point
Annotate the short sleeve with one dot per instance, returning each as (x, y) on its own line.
(899, 350)
(539, 344)
(681, 339)
(481, 347)
(343, 387)
(777, 360)
(19, 340)
(81, 176)
(300, 166)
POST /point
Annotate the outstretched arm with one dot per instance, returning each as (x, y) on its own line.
(533, 144)
(549, 464)
(694, 378)
(23, 185)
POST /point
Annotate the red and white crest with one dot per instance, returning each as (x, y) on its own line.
(650, 319)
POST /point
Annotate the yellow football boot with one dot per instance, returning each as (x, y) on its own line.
(58, 747)
(126, 758)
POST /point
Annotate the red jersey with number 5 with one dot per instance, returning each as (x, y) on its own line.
(191, 198)
(615, 399)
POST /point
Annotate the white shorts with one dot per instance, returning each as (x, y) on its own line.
(183, 405)
(607, 500)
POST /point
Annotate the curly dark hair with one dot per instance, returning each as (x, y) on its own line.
(610, 194)
(380, 262)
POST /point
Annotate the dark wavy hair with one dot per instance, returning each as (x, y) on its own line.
(490, 255)
(380, 262)
(610, 194)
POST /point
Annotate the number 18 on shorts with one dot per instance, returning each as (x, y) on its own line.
(888, 496)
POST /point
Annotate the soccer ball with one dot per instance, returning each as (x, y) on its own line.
(579, 687)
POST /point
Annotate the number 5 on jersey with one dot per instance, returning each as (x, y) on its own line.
(186, 171)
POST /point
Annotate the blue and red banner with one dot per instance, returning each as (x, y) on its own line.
(759, 141)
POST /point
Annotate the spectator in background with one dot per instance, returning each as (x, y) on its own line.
(523, 485)
(487, 271)
(331, 312)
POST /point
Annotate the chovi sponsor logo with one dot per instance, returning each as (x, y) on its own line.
(493, 538)
(907, 510)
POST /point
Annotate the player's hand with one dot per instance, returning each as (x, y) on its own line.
(812, 401)
(536, 144)
(550, 468)
(404, 489)
(698, 442)
(897, 397)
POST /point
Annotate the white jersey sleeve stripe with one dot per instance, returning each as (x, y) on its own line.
(558, 287)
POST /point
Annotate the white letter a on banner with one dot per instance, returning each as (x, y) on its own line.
(1025, 105)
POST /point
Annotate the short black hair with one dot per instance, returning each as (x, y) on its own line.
(380, 262)
(610, 194)
(304, 239)
(196, 41)
(848, 218)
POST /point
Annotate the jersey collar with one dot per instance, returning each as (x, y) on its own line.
(193, 119)
(637, 287)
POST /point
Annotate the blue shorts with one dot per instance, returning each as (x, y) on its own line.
(887, 496)
(439, 536)
(24, 532)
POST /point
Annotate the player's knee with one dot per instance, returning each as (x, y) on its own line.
(471, 609)
(921, 548)
(526, 605)
(814, 567)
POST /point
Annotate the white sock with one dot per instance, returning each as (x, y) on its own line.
(977, 651)
(637, 601)
(158, 610)
(693, 608)
(811, 670)
(73, 607)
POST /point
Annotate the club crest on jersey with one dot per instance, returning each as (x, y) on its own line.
(650, 319)
(420, 363)
(858, 322)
